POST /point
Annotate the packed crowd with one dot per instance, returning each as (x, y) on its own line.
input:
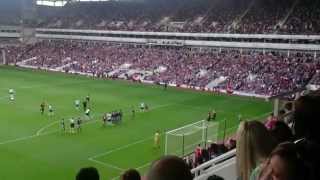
(252, 72)
(273, 150)
(316, 78)
(204, 154)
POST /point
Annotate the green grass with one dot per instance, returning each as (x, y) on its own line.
(54, 155)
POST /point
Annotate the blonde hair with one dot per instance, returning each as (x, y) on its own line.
(254, 144)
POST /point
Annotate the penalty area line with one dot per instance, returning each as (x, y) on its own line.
(137, 168)
(119, 148)
(45, 127)
(18, 139)
(39, 132)
(149, 163)
(106, 164)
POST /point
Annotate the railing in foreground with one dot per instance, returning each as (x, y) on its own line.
(200, 169)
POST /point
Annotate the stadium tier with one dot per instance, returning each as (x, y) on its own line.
(253, 72)
(221, 16)
(176, 89)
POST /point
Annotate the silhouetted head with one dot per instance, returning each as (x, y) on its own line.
(169, 168)
(89, 173)
(131, 174)
(307, 117)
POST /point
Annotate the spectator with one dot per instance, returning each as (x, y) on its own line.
(250, 72)
(306, 117)
(89, 173)
(131, 174)
(254, 144)
(198, 155)
(214, 177)
(230, 144)
(169, 168)
(271, 121)
(306, 128)
(281, 132)
(285, 163)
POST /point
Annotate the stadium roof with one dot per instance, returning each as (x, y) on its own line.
(59, 3)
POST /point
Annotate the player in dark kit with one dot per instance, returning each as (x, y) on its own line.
(133, 111)
(72, 125)
(209, 117)
(104, 119)
(88, 98)
(120, 115)
(79, 125)
(84, 104)
(63, 125)
(42, 106)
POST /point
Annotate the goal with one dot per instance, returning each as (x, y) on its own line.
(184, 140)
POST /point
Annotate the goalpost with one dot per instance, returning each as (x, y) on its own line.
(184, 140)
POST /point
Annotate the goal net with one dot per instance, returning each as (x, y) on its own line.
(184, 140)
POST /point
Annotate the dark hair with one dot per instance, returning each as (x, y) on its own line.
(295, 166)
(89, 173)
(215, 177)
(288, 106)
(169, 168)
(281, 132)
(306, 117)
(282, 112)
(131, 174)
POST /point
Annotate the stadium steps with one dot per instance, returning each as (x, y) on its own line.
(284, 20)
(216, 82)
(239, 19)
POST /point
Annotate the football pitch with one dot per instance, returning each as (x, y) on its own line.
(33, 146)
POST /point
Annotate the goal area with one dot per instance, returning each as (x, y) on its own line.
(184, 140)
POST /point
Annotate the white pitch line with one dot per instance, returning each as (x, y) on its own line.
(56, 122)
(45, 85)
(93, 121)
(45, 127)
(40, 85)
(4, 97)
(116, 177)
(38, 133)
(145, 165)
(120, 148)
(137, 168)
(137, 142)
(18, 139)
(106, 164)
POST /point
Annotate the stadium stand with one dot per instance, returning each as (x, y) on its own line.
(230, 16)
(250, 72)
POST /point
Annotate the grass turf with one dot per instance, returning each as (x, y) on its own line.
(32, 145)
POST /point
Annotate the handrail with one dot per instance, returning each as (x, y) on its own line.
(213, 162)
